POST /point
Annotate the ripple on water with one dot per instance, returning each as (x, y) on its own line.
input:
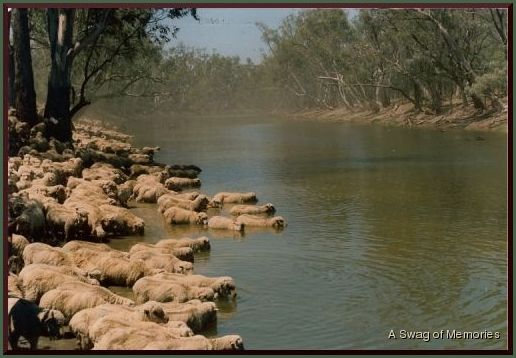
(388, 229)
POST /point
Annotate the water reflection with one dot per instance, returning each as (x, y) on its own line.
(387, 229)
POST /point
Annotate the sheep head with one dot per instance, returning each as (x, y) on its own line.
(52, 321)
(204, 293)
(270, 208)
(202, 218)
(152, 311)
(278, 222)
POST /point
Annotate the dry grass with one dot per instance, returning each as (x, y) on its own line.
(403, 114)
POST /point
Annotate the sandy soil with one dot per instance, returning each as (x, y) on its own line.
(454, 116)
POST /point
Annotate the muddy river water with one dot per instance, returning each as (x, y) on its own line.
(388, 229)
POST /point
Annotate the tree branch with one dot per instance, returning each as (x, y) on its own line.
(80, 45)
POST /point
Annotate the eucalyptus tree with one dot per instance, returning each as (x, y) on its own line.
(92, 49)
(424, 56)
(24, 92)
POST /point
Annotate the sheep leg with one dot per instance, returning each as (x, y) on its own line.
(13, 339)
(33, 341)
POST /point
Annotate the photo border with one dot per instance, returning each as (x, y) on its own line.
(273, 5)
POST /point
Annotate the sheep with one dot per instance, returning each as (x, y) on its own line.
(121, 221)
(140, 158)
(57, 192)
(200, 203)
(165, 290)
(196, 314)
(116, 269)
(150, 150)
(91, 128)
(15, 162)
(24, 181)
(157, 177)
(192, 195)
(90, 193)
(200, 244)
(48, 179)
(109, 146)
(31, 222)
(109, 187)
(252, 209)
(125, 191)
(182, 253)
(39, 253)
(235, 198)
(14, 264)
(139, 338)
(95, 227)
(149, 192)
(82, 321)
(104, 171)
(40, 199)
(36, 279)
(16, 204)
(183, 171)
(76, 245)
(175, 216)
(119, 335)
(276, 222)
(71, 167)
(106, 324)
(166, 262)
(71, 297)
(137, 170)
(66, 222)
(224, 343)
(13, 286)
(223, 223)
(178, 184)
(18, 244)
(30, 321)
(223, 286)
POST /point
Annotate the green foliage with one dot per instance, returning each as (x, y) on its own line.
(196, 81)
(124, 57)
(322, 59)
(316, 59)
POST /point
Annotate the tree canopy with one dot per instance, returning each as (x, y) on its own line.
(323, 58)
(317, 58)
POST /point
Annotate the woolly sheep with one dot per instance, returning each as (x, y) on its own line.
(36, 279)
(165, 290)
(276, 222)
(71, 297)
(223, 223)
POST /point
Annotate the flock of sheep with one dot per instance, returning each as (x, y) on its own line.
(65, 200)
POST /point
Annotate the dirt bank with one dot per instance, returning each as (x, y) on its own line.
(453, 116)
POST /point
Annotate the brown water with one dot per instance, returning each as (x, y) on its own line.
(389, 228)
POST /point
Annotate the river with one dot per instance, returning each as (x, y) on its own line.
(388, 229)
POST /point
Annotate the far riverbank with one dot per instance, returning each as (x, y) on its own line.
(454, 116)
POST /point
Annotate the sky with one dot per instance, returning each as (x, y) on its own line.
(230, 32)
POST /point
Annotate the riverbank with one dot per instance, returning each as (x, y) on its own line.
(403, 115)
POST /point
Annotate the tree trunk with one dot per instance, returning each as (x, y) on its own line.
(25, 95)
(458, 53)
(12, 74)
(386, 100)
(342, 94)
(57, 107)
(477, 102)
(418, 94)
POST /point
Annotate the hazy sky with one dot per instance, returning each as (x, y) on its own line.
(230, 32)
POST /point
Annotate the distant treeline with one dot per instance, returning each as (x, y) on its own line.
(321, 58)
(325, 59)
